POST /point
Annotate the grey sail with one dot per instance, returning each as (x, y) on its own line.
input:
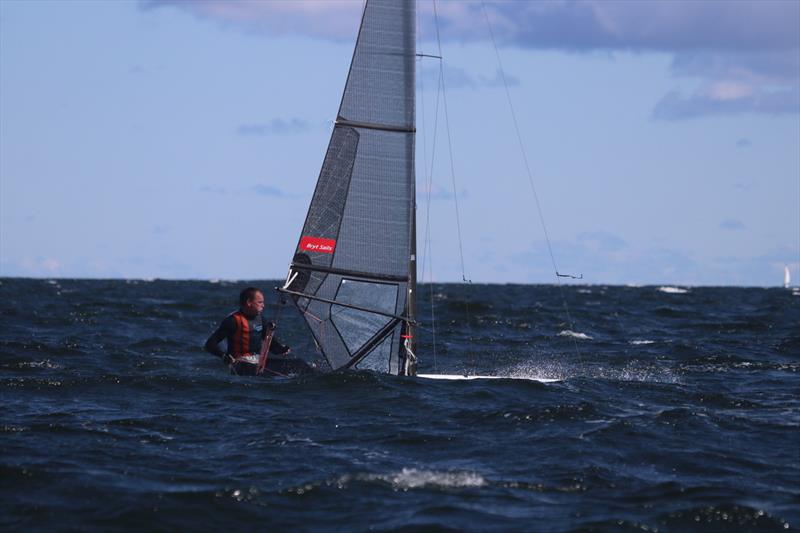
(353, 270)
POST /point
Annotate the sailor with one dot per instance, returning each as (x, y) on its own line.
(245, 330)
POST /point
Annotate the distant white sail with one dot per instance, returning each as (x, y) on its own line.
(786, 277)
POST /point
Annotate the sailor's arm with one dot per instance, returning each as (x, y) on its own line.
(212, 344)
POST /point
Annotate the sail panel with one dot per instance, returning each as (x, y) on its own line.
(380, 359)
(375, 234)
(357, 326)
(380, 85)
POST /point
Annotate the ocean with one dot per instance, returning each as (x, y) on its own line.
(677, 409)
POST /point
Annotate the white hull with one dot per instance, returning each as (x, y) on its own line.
(463, 377)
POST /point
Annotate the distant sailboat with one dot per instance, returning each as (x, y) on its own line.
(787, 278)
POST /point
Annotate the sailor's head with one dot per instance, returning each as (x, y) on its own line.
(251, 301)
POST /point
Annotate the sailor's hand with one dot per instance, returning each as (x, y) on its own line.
(228, 359)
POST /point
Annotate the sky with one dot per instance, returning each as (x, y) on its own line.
(183, 139)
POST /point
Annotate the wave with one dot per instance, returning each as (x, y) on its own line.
(640, 342)
(673, 290)
(411, 478)
(574, 334)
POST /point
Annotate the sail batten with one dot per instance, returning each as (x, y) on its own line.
(352, 270)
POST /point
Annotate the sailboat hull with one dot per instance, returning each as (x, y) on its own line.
(460, 377)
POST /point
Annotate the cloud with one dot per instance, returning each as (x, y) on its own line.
(268, 190)
(728, 99)
(315, 18)
(659, 25)
(214, 190)
(438, 192)
(732, 224)
(656, 25)
(458, 78)
(276, 126)
(743, 54)
(760, 80)
(33, 267)
(259, 189)
(603, 241)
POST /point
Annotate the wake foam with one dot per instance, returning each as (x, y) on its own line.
(563, 371)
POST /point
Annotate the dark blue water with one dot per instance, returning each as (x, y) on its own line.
(677, 411)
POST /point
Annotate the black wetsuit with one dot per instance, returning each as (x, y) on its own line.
(244, 336)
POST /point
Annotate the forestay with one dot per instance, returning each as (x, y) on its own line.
(354, 271)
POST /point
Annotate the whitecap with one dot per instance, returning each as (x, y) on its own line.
(574, 334)
(643, 341)
(673, 290)
(39, 364)
(411, 478)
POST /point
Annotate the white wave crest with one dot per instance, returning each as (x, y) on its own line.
(673, 290)
(574, 334)
(411, 478)
(638, 342)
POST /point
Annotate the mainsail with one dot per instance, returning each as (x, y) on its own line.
(353, 274)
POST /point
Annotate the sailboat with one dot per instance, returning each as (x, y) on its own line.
(353, 275)
(787, 278)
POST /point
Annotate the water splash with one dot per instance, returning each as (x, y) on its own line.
(574, 334)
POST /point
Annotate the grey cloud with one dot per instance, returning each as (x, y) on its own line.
(324, 19)
(214, 190)
(751, 43)
(777, 65)
(276, 126)
(438, 192)
(732, 225)
(268, 190)
(606, 242)
(459, 78)
(664, 25)
(764, 82)
(661, 25)
(676, 106)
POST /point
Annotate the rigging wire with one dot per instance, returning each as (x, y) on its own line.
(530, 177)
(426, 246)
(450, 147)
(473, 357)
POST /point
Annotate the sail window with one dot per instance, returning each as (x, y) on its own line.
(355, 326)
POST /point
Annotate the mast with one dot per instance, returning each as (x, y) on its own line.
(410, 344)
(410, 341)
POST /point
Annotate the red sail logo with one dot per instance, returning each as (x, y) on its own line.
(317, 244)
